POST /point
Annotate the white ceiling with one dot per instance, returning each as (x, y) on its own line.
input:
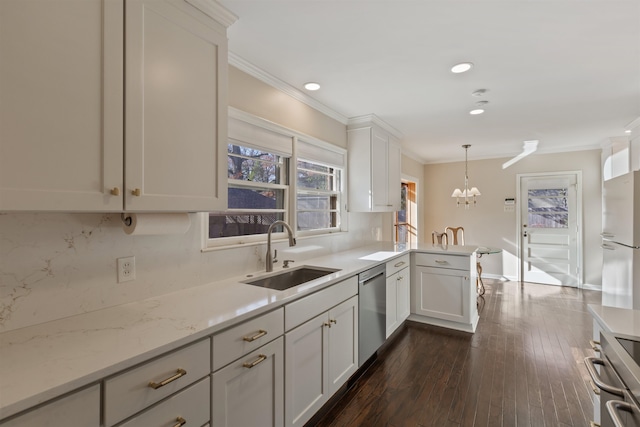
(564, 72)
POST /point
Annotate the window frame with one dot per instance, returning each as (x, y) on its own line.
(290, 201)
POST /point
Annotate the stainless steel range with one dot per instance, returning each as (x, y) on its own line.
(618, 380)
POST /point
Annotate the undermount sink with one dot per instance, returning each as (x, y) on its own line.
(290, 278)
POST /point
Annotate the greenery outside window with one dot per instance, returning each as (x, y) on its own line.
(258, 193)
(317, 196)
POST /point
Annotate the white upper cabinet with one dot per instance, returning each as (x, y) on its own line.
(61, 104)
(374, 166)
(73, 139)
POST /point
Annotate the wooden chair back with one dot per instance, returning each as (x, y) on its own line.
(454, 234)
(439, 237)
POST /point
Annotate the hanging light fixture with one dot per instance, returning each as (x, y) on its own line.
(466, 193)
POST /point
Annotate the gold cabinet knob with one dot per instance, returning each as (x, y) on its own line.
(115, 191)
(136, 192)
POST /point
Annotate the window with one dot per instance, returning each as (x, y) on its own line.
(548, 208)
(317, 196)
(266, 183)
(404, 219)
(257, 193)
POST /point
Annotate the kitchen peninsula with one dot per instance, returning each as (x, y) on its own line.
(49, 360)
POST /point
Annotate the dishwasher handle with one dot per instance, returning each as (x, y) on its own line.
(591, 362)
(364, 280)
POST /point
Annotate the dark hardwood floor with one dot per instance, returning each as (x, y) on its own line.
(522, 367)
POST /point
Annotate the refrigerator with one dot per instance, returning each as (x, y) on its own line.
(621, 241)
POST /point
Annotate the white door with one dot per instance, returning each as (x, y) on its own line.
(61, 95)
(175, 104)
(549, 235)
(256, 379)
(306, 370)
(343, 343)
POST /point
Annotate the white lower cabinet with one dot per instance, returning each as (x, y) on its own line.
(79, 409)
(321, 355)
(398, 307)
(444, 291)
(250, 391)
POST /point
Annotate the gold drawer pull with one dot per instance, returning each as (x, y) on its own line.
(115, 191)
(398, 264)
(261, 358)
(136, 192)
(334, 321)
(593, 424)
(260, 334)
(180, 422)
(594, 345)
(180, 373)
(441, 261)
(400, 278)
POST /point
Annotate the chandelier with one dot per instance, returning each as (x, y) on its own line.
(468, 194)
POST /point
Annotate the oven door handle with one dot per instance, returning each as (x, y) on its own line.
(591, 362)
(612, 408)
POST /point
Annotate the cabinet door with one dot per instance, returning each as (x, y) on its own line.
(80, 409)
(392, 298)
(403, 308)
(250, 391)
(307, 370)
(379, 171)
(175, 128)
(443, 294)
(61, 105)
(343, 343)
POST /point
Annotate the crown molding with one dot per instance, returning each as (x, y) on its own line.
(368, 119)
(284, 87)
(634, 124)
(215, 10)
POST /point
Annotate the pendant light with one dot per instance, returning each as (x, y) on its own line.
(466, 193)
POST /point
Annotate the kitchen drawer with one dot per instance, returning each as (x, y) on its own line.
(455, 262)
(131, 391)
(397, 264)
(309, 307)
(246, 337)
(79, 409)
(189, 407)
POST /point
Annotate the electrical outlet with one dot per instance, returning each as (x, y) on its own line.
(126, 269)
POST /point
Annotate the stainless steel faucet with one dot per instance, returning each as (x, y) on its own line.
(292, 242)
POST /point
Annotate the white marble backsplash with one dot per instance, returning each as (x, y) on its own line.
(57, 265)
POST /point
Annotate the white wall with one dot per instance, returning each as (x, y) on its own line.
(58, 265)
(488, 225)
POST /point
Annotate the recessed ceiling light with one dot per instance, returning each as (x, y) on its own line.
(476, 112)
(312, 86)
(461, 67)
(627, 131)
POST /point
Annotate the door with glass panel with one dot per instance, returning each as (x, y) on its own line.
(550, 229)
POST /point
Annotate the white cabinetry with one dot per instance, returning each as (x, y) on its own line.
(374, 167)
(398, 281)
(79, 409)
(250, 391)
(248, 382)
(444, 291)
(322, 353)
(64, 109)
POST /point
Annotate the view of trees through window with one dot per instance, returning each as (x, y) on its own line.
(548, 208)
(257, 193)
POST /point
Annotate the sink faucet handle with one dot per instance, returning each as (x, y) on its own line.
(275, 256)
(286, 263)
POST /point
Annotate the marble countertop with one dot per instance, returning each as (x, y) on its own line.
(43, 361)
(622, 322)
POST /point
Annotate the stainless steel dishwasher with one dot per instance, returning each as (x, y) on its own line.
(372, 311)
